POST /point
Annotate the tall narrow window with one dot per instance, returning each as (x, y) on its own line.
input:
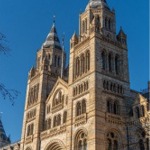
(58, 61)
(97, 23)
(85, 145)
(112, 141)
(65, 117)
(83, 27)
(142, 111)
(117, 64)
(116, 108)
(110, 62)
(78, 109)
(80, 145)
(109, 24)
(82, 64)
(81, 141)
(106, 23)
(83, 106)
(28, 130)
(86, 25)
(115, 145)
(103, 61)
(55, 63)
(49, 123)
(109, 144)
(137, 111)
(77, 66)
(55, 121)
(87, 61)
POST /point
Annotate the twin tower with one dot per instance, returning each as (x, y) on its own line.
(83, 106)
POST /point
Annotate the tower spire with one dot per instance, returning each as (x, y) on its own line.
(52, 39)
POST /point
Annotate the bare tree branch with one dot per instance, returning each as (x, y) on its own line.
(3, 47)
(11, 94)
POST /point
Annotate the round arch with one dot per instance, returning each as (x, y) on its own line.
(55, 145)
(113, 136)
(28, 148)
(80, 139)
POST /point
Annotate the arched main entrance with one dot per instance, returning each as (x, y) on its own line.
(55, 145)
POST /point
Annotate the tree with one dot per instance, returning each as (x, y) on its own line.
(11, 94)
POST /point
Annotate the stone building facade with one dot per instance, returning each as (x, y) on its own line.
(88, 105)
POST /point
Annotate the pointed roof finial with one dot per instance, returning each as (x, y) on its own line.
(54, 19)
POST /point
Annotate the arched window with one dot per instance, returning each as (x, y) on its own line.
(81, 88)
(97, 23)
(78, 109)
(28, 130)
(81, 141)
(141, 145)
(142, 111)
(137, 111)
(109, 144)
(55, 63)
(111, 87)
(82, 27)
(109, 24)
(103, 60)
(55, 121)
(112, 141)
(65, 117)
(59, 96)
(114, 87)
(116, 108)
(87, 61)
(58, 120)
(110, 62)
(117, 64)
(107, 85)
(77, 66)
(106, 23)
(109, 106)
(104, 84)
(82, 64)
(58, 62)
(86, 25)
(49, 123)
(83, 106)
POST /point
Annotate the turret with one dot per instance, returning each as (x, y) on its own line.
(74, 40)
(122, 37)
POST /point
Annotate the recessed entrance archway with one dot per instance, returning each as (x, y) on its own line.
(55, 145)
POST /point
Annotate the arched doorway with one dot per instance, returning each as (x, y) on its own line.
(55, 145)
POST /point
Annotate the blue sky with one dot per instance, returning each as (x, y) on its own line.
(26, 24)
